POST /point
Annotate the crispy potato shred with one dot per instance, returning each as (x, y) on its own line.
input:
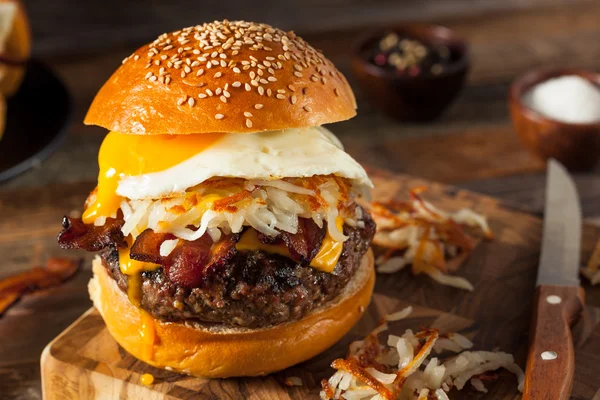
(416, 233)
(592, 270)
(401, 368)
(56, 271)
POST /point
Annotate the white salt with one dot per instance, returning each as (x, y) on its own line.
(568, 98)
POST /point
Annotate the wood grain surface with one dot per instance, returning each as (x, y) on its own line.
(86, 360)
(550, 333)
(472, 145)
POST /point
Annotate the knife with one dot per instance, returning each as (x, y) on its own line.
(559, 299)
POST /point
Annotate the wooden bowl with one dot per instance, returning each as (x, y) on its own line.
(412, 98)
(577, 146)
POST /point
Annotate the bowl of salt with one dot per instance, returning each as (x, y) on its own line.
(556, 113)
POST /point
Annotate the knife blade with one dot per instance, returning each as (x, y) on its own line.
(559, 298)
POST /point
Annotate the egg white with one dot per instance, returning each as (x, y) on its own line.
(299, 152)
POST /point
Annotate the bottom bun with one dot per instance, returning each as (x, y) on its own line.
(215, 351)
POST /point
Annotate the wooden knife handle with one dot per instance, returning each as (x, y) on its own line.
(551, 358)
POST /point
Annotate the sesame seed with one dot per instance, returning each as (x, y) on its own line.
(148, 75)
(136, 57)
(209, 92)
(153, 78)
(223, 99)
(323, 80)
(248, 114)
(202, 96)
(223, 63)
(292, 88)
(293, 99)
(199, 72)
(248, 123)
(236, 84)
(337, 93)
(269, 92)
(236, 70)
(191, 102)
(307, 108)
(272, 79)
(298, 74)
(252, 75)
(181, 100)
(247, 87)
(168, 80)
(214, 54)
(314, 78)
(217, 75)
(281, 91)
(264, 81)
(214, 62)
(261, 90)
(280, 96)
(219, 116)
(226, 94)
(258, 106)
(218, 91)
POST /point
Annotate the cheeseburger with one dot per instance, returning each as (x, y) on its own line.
(228, 236)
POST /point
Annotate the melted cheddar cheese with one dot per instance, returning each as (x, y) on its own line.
(249, 242)
(133, 270)
(325, 260)
(129, 155)
(330, 251)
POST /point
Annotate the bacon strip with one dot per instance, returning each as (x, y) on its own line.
(56, 271)
(188, 262)
(77, 235)
(304, 244)
(147, 246)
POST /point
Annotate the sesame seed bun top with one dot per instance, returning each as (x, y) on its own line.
(229, 76)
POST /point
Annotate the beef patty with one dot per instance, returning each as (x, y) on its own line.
(253, 289)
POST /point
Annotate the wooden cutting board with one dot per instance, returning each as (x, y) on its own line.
(85, 362)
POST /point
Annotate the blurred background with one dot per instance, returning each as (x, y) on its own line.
(83, 42)
(473, 144)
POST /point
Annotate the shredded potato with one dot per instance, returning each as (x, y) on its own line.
(418, 234)
(401, 369)
(227, 205)
(592, 269)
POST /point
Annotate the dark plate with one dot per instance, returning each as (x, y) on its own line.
(36, 121)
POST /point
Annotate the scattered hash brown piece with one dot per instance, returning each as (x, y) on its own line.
(431, 240)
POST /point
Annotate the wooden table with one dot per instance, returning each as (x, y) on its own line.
(472, 146)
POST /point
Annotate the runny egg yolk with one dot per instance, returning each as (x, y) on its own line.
(129, 155)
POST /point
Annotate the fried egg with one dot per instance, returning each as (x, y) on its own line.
(154, 167)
